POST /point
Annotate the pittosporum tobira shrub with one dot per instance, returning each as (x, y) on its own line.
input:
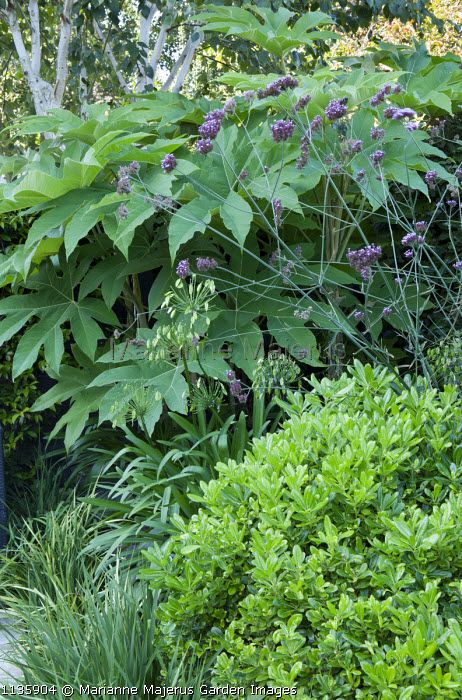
(330, 559)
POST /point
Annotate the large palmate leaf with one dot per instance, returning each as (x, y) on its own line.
(53, 303)
(191, 218)
(270, 30)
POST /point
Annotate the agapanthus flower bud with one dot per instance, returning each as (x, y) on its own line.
(336, 109)
(282, 129)
(183, 269)
(168, 163)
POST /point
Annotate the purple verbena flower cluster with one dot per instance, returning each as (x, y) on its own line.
(124, 185)
(399, 113)
(275, 88)
(386, 311)
(122, 211)
(431, 177)
(360, 174)
(362, 259)
(356, 145)
(377, 157)
(358, 315)
(336, 109)
(377, 134)
(457, 265)
(209, 129)
(182, 269)
(243, 175)
(277, 211)
(420, 226)
(302, 102)
(168, 163)
(380, 95)
(282, 129)
(411, 238)
(205, 264)
(302, 159)
(411, 126)
(235, 386)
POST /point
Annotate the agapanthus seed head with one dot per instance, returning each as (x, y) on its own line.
(182, 269)
(168, 163)
(282, 129)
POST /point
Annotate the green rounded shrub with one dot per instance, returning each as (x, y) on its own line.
(330, 559)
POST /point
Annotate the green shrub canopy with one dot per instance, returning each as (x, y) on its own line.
(330, 558)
